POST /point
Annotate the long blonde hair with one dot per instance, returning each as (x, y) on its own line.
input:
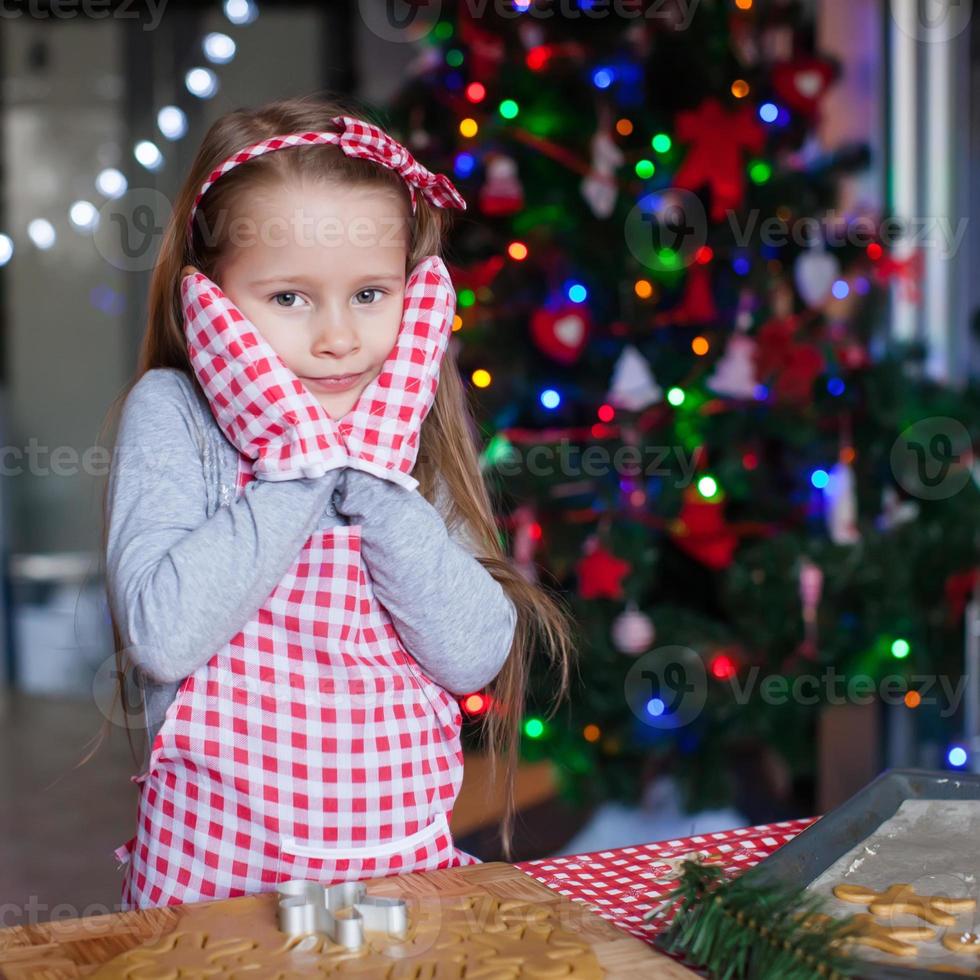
(447, 442)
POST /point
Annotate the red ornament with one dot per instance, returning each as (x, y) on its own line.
(906, 272)
(478, 275)
(700, 531)
(717, 141)
(485, 50)
(502, 193)
(600, 574)
(697, 304)
(788, 366)
(562, 333)
(774, 339)
(853, 355)
(959, 587)
(803, 366)
(802, 83)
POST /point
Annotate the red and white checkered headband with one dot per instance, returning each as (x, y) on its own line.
(357, 139)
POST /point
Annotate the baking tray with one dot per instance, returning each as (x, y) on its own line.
(814, 850)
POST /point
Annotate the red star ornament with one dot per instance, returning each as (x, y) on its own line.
(600, 575)
(717, 139)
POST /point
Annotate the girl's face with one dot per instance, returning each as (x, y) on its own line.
(320, 271)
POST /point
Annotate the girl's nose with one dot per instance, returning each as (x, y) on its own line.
(335, 336)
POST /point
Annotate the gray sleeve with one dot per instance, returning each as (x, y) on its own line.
(454, 618)
(182, 584)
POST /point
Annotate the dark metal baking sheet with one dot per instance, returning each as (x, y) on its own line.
(810, 853)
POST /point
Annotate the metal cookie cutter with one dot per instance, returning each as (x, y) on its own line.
(307, 906)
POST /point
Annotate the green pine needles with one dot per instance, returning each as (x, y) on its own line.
(736, 929)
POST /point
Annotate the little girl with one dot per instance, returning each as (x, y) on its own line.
(302, 561)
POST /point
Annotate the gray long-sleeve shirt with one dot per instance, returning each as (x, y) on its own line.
(187, 564)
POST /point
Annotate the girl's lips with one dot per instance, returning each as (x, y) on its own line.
(335, 384)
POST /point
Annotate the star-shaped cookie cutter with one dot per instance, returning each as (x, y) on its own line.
(307, 906)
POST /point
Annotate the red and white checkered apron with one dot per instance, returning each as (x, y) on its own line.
(311, 745)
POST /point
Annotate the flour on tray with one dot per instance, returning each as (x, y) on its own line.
(932, 845)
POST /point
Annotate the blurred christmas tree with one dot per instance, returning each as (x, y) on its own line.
(693, 417)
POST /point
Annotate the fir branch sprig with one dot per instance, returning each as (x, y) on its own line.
(736, 929)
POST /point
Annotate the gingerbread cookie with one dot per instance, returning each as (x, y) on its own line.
(901, 899)
(675, 865)
(865, 931)
(962, 942)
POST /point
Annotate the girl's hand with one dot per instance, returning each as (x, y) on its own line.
(188, 270)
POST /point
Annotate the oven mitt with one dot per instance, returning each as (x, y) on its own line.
(266, 412)
(269, 415)
(381, 432)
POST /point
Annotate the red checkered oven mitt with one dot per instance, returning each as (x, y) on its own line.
(382, 430)
(267, 412)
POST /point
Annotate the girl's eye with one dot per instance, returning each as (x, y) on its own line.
(287, 306)
(371, 290)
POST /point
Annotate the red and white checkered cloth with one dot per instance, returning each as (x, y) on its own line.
(271, 417)
(622, 884)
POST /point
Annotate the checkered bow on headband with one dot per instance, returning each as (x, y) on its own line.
(357, 139)
(267, 412)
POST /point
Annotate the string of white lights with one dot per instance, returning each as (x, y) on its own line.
(200, 81)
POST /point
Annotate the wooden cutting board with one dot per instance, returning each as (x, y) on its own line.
(488, 921)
